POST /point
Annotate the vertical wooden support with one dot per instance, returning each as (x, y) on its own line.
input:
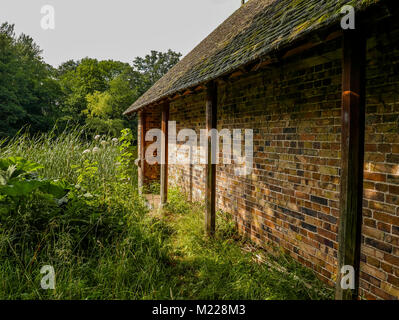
(210, 193)
(141, 168)
(352, 158)
(164, 155)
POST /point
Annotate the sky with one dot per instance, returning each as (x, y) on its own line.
(116, 29)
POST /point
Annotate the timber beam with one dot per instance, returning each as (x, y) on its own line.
(164, 155)
(352, 159)
(210, 192)
(141, 160)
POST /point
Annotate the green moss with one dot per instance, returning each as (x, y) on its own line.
(300, 28)
(252, 35)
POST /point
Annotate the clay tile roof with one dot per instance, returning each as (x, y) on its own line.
(254, 30)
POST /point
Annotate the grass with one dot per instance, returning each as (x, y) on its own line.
(230, 267)
(104, 243)
(58, 153)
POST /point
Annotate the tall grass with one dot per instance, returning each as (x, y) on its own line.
(59, 152)
(104, 243)
(228, 266)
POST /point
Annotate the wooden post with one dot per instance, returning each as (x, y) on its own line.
(352, 158)
(164, 155)
(141, 168)
(210, 193)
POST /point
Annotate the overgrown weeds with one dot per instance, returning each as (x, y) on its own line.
(224, 268)
(104, 244)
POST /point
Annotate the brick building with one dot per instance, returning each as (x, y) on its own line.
(321, 102)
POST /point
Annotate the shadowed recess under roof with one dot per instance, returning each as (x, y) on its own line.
(254, 30)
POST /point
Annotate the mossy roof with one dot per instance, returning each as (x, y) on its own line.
(254, 30)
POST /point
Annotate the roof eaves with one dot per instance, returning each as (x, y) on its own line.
(280, 45)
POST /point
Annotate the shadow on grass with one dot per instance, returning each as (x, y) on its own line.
(220, 269)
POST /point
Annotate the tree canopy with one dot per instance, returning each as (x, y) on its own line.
(29, 90)
(84, 92)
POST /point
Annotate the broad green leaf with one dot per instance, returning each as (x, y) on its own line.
(20, 188)
(58, 189)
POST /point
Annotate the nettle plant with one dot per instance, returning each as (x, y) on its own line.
(19, 179)
(125, 157)
(87, 177)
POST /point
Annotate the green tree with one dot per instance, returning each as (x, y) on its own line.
(87, 91)
(105, 107)
(66, 67)
(153, 67)
(83, 78)
(29, 91)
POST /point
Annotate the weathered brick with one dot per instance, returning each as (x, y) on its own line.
(381, 187)
(375, 272)
(391, 259)
(381, 293)
(374, 195)
(394, 189)
(393, 280)
(386, 267)
(319, 200)
(393, 158)
(309, 227)
(370, 279)
(391, 290)
(378, 245)
(372, 176)
(384, 227)
(309, 212)
(292, 196)
(394, 220)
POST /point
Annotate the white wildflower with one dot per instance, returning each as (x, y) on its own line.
(97, 137)
(96, 150)
(115, 140)
(104, 143)
(86, 151)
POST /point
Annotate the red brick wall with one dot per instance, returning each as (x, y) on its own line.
(152, 121)
(189, 113)
(291, 198)
(380, 241)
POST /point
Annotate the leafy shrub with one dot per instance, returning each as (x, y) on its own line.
(72, 203)
(21, 188)
(95, 221)
(18, 178)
